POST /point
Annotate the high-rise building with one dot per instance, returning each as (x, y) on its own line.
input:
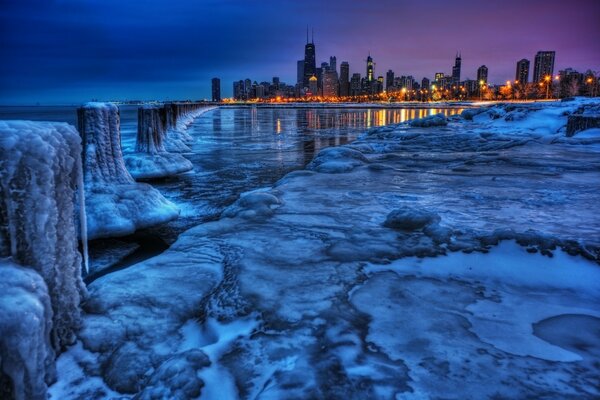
(276, 82)
(389, 80)
(312, 86)
(344, 79)
(216, 89)
(544, 65)
(456, 69)
(370, 69)
(355, 85)
(333, 63)
(238, 90)
(522, 75)
(310, 63)
(425, 83)
(300, 72)
(330, 83)
(248, 88)
(482, 74)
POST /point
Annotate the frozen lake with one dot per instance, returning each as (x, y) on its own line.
(235, 149)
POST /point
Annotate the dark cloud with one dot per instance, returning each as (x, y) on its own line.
(74, 50)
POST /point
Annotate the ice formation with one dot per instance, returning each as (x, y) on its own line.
(40, 181)
(116, 204)
(151, 160)
(26, 354)
(434, 262)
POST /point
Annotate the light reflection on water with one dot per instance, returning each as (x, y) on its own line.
(241, 149)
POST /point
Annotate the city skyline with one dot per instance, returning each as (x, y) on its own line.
(93, 52)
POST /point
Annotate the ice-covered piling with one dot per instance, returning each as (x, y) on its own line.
(152, 127)
(40, 174)
(151, 160)
(116, 204)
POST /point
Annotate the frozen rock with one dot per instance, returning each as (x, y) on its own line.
(116, 204)
(177, 378)
(156, 165)
(410, 219)
(337, 160)
(253, 204)
(26, 355)
(41, 181)
(427, 122)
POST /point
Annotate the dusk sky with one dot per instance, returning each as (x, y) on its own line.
(68, 51)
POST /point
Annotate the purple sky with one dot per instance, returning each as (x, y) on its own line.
(55, 51)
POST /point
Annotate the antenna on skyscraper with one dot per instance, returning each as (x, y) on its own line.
(313, 36)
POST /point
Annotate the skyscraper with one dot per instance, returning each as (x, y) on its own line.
(330, 83)
(482, 74)
(456, 69)
(344, 78)
(425, 83)
(312, 86)
(389, 80)
(544, 65)
(355, 87)
(522, 75)
(216, 89)
(370, 69)
(300, 72)
(310, 63)
(333, 63)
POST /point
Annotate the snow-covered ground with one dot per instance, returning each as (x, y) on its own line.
(429, 261)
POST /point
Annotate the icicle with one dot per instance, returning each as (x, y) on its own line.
(82, 216)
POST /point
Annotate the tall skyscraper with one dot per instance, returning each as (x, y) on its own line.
(389, 80)
(300, 72)
(482, 74)
(216, 89)
(310, 63)
(522, 75)
(238, 90)
(439, 76)
(456, 69)
(333, 63)
(344, 78)
(370, 69)
(544, 65)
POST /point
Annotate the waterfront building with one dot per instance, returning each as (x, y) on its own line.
(312, 86)
(330, 83)
(333, 63)
(310, 63)
(389, 80)
(344, 78)
(482, 74)
(300, 72)
(216, 89)
(522, 74)
(544, 65)
(355, 85)
(425, 83)
(456, 70)
(370, 69)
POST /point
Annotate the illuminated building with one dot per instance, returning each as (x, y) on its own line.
(389, 80)
(310, 63)
(456, 69)
(482, 74)
(522, 75)
(344, 78)
(370, 69)
(544, 65)
(312, 86)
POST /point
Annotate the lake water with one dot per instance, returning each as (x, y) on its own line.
(236, 149)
